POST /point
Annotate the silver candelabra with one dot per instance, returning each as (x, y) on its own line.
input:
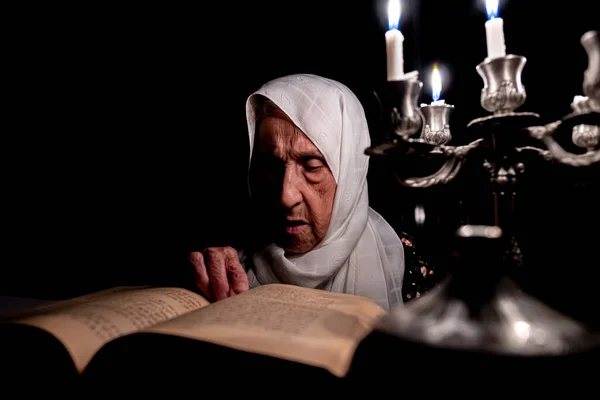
(490, 314)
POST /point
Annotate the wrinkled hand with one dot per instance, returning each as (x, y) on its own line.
(219, 273)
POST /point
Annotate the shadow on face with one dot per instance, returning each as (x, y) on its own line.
(292, 185)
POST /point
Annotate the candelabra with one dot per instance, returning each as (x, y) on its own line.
(479, 308)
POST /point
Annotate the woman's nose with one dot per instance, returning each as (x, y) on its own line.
(290, 191)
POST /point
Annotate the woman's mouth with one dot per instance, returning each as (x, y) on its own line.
(295, 227)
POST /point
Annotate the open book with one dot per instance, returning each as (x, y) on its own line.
(307, 326)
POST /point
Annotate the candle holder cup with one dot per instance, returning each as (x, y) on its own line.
(591, 77)
(400, 104)
(503, 92)
(586, 136)
(436, 123)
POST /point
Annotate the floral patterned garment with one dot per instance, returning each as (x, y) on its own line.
(419, 276)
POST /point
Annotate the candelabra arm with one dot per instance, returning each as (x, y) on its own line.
(557, 152)
(460, 151)
(447, 172)
(544, 153)
(444, 175)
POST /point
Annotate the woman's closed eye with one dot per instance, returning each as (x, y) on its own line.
(313, 164)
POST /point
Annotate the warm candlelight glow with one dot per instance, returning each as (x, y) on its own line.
(394, 12)
(491, 8)
(436, 83)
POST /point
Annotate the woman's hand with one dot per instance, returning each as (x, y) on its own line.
(219, 273)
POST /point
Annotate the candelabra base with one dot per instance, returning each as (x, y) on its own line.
(510, 323)
(421, 369)
(478, 324)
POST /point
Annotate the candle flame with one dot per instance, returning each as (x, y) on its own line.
(436, 83)
(394, 12)
(491, 8)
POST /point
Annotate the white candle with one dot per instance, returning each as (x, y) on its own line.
(434, 103)
(394, 43)
(494, 29)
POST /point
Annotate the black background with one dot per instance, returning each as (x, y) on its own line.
(129, 147)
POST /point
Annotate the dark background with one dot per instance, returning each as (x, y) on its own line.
(129, 147)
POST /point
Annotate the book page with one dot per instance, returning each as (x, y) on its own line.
(45, 306)
(310, 326)
(87, 323)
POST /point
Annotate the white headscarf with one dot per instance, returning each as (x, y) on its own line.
(360, 254)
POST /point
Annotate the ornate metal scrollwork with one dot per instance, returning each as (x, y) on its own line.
(504, 99)
(456, 157)
(557, 152)
(503, 92)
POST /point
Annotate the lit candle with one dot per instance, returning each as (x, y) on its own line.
(436, 86)
(436, 115)
(494, 29)
(394, 41)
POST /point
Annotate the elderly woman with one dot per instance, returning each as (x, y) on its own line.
(308, 178)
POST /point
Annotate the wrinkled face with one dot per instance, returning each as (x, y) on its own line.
(294, 184)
